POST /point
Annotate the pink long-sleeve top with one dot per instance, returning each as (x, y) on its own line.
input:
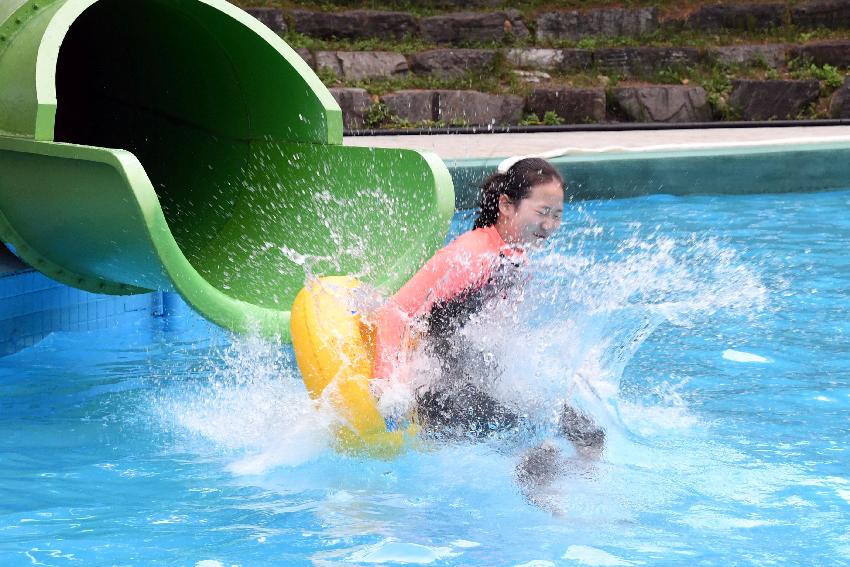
(455, 272)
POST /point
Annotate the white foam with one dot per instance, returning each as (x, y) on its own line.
(586, 555)
(711, 520)
(844, 494)
(741, 356)
(464, 543)
(392, 551)
(798, 502)
(253, 405)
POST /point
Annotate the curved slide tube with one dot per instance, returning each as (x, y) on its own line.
(181, 145)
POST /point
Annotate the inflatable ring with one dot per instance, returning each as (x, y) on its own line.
(334, 350)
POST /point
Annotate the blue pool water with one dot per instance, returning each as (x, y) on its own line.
(709, 335)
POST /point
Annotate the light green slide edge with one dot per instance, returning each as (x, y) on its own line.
(720, 171)
(207, 161)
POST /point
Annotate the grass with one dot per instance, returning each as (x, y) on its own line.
(667, 37)
(380, 116)
(405, 46)
(658, 38)
(528, 8)
(829, 77)
(550, 118)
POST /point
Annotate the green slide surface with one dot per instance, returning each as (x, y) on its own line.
(181, 145)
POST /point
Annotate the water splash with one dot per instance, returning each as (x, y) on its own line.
(567, 335)
(247, 403)
(563, 338)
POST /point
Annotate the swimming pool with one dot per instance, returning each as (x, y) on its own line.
(709, 334)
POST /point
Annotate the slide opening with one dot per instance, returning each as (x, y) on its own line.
(201, 100)
(147, 77)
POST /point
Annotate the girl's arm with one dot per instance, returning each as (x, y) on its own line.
(453, 269)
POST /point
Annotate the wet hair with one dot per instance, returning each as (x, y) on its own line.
(515, 183)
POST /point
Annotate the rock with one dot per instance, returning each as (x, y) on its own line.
(750, 17)
(355, 65)
(354, 24)
(468, 107)
(575, 106)
(531, 76)
(664, 103)
(452, 62)
(822, 14)
(839, 105)
(479, 109)
(571, 25)
(567, 60)
(835, 53)
(306, 56)
(271, 17)
(355, 103)
(413, 105)
(769, 100)
(771, 55)
(535, 58)
(576, 60)
(473, 26)
(636, 61)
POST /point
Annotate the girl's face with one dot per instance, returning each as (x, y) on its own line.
(533, 219)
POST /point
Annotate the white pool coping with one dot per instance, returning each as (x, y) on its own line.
(549, 144)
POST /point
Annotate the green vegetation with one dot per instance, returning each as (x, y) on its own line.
(378, 115)
(830, 77)
(550, 118)
(668, 37)
(528, 8)
(407, 46)
(660, 38)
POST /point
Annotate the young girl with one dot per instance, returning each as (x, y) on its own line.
(519, 209)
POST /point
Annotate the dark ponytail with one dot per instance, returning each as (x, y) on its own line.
(515, 183)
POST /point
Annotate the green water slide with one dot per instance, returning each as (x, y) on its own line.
(180, 145)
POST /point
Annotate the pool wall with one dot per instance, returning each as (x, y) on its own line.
(32, 305)
(720, 171)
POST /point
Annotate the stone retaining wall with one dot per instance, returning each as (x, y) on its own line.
(748, 100)
(744, 99)
(752, 100)
(624, 61)
(461, 28)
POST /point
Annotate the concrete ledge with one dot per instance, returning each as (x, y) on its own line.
(631, 163)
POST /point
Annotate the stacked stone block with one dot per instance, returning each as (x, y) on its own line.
(532, 52)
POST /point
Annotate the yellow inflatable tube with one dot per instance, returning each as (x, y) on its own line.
(334, 350)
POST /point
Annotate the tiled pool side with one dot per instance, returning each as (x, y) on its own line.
(32, 306)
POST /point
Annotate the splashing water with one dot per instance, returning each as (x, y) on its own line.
(564, 338)
(250, 404)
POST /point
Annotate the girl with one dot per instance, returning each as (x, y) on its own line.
(519, 209)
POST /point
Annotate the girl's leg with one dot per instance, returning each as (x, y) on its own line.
(587, 437)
